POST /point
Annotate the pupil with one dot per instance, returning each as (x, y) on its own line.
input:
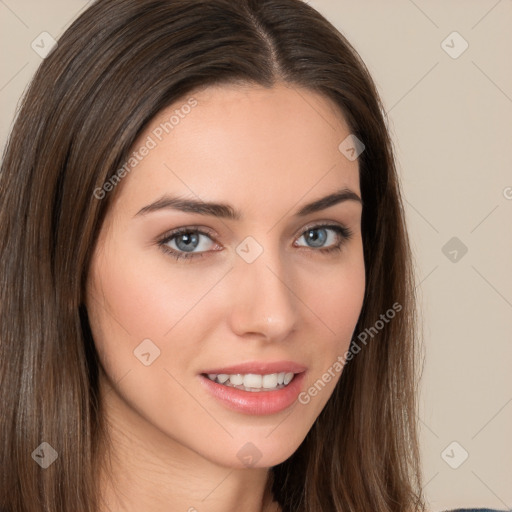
(316, 238)
(190, 241)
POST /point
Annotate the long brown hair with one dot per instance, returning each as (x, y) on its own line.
(117, 66)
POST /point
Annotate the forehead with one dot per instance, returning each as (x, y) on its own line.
(250, 143)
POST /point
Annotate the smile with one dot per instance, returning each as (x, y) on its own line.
(253, 382)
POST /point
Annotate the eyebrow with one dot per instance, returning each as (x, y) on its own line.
(226, 211)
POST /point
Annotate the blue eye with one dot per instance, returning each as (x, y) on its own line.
(319, 236)
(185, 243)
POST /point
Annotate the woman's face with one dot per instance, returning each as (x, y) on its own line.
(263, 279)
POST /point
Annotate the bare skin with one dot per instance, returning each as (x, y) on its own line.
(266, 152)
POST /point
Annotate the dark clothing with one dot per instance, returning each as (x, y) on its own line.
(476, 510)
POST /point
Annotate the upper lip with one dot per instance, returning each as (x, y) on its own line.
(259, 367)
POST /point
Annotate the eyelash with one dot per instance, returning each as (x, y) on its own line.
(343, 233)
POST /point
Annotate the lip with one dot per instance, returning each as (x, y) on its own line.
(258, 402)
(259, 368)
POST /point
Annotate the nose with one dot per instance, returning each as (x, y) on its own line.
(264, 303)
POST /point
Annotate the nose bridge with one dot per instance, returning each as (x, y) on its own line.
(263, 302)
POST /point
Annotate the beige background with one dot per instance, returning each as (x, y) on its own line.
(451, 119)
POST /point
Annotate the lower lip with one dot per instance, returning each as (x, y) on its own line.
(256, 402)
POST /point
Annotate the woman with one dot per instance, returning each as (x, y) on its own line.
(207, 298)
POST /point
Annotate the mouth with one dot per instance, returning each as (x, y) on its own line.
(252, 381)
(256, 388)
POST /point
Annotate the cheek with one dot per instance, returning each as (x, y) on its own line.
(134, 310)
(139, 298)
(336, 296)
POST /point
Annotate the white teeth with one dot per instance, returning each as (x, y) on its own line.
(287, 378)
(236, 380)
(270, 381)
(252, 381)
